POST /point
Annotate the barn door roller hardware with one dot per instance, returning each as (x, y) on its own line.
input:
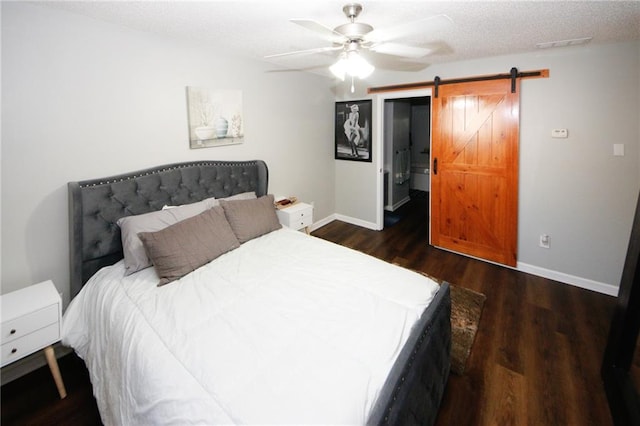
(514, 76)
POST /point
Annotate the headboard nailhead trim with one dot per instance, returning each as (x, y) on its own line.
(166, 169)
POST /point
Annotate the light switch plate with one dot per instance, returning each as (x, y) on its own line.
(559, 133)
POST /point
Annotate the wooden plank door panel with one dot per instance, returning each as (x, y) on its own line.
(475, 182)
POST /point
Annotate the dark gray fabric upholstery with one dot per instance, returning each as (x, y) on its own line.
(95, 205)
(413, 391)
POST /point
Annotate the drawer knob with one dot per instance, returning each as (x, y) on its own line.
(14, 350)
(13, 331)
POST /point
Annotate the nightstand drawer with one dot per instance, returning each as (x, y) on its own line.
(297, 216)
(28, 323)
(30, 343)
(300, 215)
(301, 222)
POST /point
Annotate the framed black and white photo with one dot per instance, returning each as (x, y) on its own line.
(353, 131)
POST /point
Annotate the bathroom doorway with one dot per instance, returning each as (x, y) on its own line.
(406, 152)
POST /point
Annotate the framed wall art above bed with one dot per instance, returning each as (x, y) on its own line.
(353, 131)
(215, 117)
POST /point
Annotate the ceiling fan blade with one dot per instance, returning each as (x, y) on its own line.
(431, 25)
(314, 68)
(322, 30)
(396, 49)
(392, 63)
(305, 52)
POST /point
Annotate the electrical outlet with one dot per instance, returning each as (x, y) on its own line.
(545, 241)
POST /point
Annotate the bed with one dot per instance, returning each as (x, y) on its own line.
(280, 327)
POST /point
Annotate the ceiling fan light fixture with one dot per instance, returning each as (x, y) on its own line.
(352, 64)
(339, 69)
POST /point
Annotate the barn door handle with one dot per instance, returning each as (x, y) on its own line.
(435, 166)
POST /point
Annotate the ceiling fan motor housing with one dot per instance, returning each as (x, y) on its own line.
(353, 30)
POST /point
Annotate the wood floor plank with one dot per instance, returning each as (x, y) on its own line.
(546, 383)
(506, 399)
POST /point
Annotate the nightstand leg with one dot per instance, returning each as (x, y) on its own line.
(55, 371)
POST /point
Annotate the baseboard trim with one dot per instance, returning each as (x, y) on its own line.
(322, 222)
(573, 280)
(358, 222)
(400, 203)
(347, 219)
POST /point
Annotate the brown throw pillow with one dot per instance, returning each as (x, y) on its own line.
(251, 218)
(187, 245)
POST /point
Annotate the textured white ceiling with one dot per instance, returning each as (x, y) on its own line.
(480, 28)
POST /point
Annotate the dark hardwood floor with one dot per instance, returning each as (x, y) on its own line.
(537, 355)
(33, 399)
(536, 359)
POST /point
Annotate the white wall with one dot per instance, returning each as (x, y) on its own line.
(420, 134)
(83, 99)
(573, 189)
(356, 181)
(399, 122)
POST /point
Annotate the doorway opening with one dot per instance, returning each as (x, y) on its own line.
(406, 153)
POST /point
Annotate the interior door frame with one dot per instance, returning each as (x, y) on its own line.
(378, 106)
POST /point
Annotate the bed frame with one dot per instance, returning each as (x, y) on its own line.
(413, 391)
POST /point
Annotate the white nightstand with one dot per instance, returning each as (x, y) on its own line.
(297, 216)
(31, 322)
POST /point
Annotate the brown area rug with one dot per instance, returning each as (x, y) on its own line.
(466, 308)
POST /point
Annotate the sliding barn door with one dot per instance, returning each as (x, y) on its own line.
(474, 178)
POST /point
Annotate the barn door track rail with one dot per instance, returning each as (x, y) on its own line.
(512, 75)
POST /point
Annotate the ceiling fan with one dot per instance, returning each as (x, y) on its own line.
(354, 40)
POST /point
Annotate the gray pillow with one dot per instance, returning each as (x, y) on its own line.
(135, 257)
(241, 196)
(251, 218)
(187, 245)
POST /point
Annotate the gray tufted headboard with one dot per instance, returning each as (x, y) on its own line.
(95, 205)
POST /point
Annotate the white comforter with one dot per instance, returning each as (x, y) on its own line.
(286, 329)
